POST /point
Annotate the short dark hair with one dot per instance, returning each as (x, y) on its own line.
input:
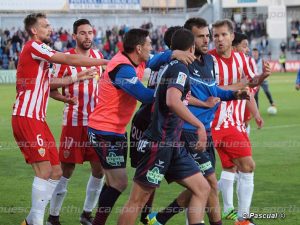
(133, 38)
(195, 22)
(31, 19)
(254, 49)
(182, 39)
(238, 38)
(169, 33)
(78, 23)
(223, 22)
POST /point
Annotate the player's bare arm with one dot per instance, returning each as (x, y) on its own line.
(76, 60)
(173, 101)
(183, 56)
(67, 80)
(257, 80)
(252, 106)
(55, 94)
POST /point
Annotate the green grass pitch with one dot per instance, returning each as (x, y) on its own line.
(276, 150)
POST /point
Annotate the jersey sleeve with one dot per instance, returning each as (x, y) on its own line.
(59, 71)
(127, 80)
(246, 68)
(41, 51)
(253, 66)
(178, 76)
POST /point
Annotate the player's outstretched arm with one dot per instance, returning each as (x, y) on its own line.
(76, 60)
(57, 82)
(173, 101)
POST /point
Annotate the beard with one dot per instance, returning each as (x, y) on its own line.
(47, 40)
(85, 46)
(198, 52)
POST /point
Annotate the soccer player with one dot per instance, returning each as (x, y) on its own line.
(120, 88)
(240, 44)
(265, 84)
(29, 111)
(79, 83)
(208, 95)
(163, 157)
(228, 130)
(142, 119)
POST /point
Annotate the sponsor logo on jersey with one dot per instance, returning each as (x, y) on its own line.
(114, 160)
(154, 176)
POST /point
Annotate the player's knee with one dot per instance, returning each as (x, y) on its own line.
(213, 184)
(184, 198)
(248, 167)
(203, 188)
(56, 173)
(120, 184)
(67, 170)
(97, 172)
(44, 174)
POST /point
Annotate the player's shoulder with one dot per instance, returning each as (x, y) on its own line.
(213, 52)
(96, 54)
(240, 54)
(176, 65)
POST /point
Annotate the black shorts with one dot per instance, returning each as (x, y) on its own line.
(140, 122)
(111, 149)
(161, 161)
(205, 160)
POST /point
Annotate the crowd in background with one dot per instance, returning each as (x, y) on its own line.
(109, 40)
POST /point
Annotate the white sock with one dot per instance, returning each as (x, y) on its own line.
(236, 179)
(186, 218)
(93, 190)
(58, 196)
(245, 192)
(39, 201)
(226, 187)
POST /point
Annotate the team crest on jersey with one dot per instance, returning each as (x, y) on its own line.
(66, 154)
(42, 152)
(181, 78)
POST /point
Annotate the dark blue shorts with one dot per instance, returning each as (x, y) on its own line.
(138, 126)
(162, 161)
(111, 149)
(205, 160)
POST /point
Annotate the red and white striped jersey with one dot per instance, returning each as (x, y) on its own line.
(230, 71)
(253, 65)
(33, 78)
(86, 92)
